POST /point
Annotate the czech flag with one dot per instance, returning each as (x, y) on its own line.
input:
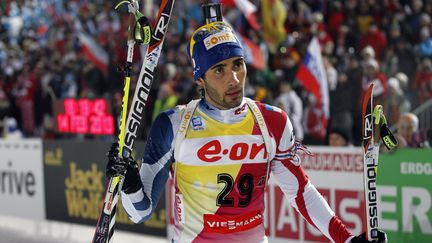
(313, 77)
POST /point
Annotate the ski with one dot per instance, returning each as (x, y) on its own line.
(374, 130)
(370, 153)
(105, 225)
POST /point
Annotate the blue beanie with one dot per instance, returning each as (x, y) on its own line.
(210, 44)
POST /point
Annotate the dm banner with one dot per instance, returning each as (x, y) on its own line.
(405, 190)
(75, 186)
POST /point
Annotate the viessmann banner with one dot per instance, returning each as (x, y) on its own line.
(404, 184)
(75, 186)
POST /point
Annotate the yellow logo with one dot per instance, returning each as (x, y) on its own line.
(219, 38)
(54, 158)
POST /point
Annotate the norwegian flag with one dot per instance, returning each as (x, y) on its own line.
(93, 51)
(247, 8)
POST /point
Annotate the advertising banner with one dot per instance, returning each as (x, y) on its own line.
(404, 185)
(21, 178)
(405, 190)
(338, 175)
(75, 184)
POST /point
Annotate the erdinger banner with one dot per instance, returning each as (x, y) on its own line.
(405, 191)
(338, 175)
(75, 183)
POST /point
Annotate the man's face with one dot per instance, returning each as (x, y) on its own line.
(336, 140)
(406, 127)
(224, 83)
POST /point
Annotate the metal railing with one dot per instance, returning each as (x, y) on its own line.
(424, 113)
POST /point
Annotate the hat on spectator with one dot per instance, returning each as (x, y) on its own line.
(403, 78)
(210, 44)
(368, 51)
(342, 131)
(372, 63)
(394, 84)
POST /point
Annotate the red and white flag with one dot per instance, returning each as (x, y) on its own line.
(93, 51)
(247, 8)
(253, 53)
(313, 77)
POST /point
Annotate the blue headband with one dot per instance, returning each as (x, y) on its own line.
(212, 44)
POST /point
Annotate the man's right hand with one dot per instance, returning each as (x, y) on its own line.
(382, 238)
(118, 166)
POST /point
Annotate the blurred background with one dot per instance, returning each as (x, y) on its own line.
(61, 91)
(52, 50)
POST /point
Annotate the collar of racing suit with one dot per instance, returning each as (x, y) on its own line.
(229, 116)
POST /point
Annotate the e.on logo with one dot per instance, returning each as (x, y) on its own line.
(213, 151)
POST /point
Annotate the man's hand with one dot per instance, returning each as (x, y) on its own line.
(127, 167)
(382, 238)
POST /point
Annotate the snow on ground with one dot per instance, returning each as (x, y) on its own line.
(18, 230)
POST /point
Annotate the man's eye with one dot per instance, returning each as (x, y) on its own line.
(239, 64)
(219, 70)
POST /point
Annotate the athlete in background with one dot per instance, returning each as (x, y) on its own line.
(220, 151)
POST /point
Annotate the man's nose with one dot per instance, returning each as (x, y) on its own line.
(233, 78)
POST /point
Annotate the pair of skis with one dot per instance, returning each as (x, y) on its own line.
(374, 129)
(139, 31)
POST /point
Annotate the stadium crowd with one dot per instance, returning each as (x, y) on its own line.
(43, 59)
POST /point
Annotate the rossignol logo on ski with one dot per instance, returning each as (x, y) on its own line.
(137, 109)
(161, 27)
(367, 126)
(370, 164)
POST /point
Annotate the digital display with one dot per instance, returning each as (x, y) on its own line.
(84, 116)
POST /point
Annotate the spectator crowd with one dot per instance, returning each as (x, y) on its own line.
(388, 42)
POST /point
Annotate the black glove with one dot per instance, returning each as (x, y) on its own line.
(128, 167)
(382, 238)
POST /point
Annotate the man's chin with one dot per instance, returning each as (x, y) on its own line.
(236, 102)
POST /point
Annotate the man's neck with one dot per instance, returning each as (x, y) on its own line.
(228, 116)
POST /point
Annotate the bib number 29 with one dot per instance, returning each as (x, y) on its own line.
(244, 186)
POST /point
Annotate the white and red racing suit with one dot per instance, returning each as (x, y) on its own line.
(220, 173)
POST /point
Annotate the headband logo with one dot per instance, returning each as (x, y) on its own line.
(219, 38)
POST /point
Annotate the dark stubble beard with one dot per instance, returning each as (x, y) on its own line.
(221, 101)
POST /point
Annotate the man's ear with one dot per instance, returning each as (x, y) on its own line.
(200, 82)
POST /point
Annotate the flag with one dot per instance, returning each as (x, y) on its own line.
(274, 14)
(5, 7)
(247, 8)
(253, 54)
(93, 51)
(312, 76)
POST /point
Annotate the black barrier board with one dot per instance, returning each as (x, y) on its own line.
(75, 183)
